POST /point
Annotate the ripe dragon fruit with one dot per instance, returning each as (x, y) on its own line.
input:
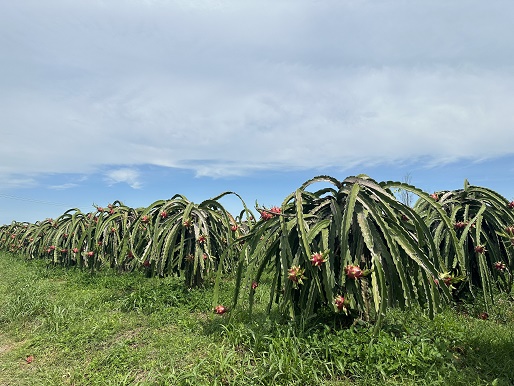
(276, 210)
(295, 274)
(499, 266)
(462, 224)
(480, 249)
(220, 309)
(317, 259)
(339, 302)
(266, 215)
(353, 271)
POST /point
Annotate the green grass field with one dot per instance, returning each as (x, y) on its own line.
(123, 329)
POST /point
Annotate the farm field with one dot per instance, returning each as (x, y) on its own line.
(343, 284)
(64, 326)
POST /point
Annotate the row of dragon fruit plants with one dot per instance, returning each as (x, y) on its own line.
(350, 246)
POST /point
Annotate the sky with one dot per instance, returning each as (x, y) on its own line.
(139, 100)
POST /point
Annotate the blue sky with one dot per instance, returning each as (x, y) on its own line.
(138, 100)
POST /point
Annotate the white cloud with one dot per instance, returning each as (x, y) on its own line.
(225, 88)
(8, 182)
(129, 176)
(65, 186)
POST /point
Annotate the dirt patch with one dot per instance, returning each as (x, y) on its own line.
(130, 337)
(7, 344)
(5, 348)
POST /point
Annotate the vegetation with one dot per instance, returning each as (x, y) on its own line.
(340, 284)
(345, 247)
(483, 222)
(107, 328)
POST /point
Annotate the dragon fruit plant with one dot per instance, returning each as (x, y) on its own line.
(368, 252)
(177, 235)
(476, 236)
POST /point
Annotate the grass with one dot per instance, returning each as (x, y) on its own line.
(124, 329)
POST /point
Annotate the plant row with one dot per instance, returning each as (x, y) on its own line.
(349, 248)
